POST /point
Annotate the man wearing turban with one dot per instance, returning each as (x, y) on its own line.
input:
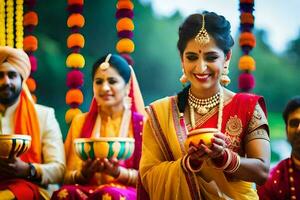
(27, 176)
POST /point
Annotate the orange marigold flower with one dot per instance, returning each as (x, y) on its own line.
(125, 24)
(125, 4)
(125, 45)
(247, 18)
(247, 39)
(30, 43)
(30, 18)
(75, 19)
(75, 40)
(74, 96)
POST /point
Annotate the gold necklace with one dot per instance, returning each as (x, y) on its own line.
(202, 106)
(220, 111)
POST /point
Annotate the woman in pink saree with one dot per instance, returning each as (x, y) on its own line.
(240, 153)
(110, 115)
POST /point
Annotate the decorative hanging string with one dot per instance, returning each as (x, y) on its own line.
(31, 42)
(11, 27)
(125, 27)
(247, 42)
(75, 61)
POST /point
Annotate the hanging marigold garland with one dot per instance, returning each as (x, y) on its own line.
(75, 61)
(247, 42)
(11, 26)
(125, 27)
(30, 42)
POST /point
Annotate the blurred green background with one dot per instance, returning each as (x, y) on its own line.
(157, 62)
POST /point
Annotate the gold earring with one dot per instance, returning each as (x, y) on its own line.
(183, 79)
(225, 80)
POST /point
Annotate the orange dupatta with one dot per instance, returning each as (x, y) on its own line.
(27, 123)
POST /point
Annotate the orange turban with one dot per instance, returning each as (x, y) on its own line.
(17, 58)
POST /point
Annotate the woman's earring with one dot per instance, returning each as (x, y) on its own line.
(183, 79)
(225, 80)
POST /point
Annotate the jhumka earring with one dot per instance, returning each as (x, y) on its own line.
(183, 79)
(225, 80)
(202, 37)
(105, 65)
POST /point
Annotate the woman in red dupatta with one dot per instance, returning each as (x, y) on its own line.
(113, 79)
(240, 151)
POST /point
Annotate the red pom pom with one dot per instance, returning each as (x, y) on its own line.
(74, 79)
(33, 63)
(246, 82)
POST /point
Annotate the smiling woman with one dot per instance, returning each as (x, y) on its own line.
(111, 115)
(239, 152)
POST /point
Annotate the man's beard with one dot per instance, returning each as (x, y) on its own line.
(10, 99)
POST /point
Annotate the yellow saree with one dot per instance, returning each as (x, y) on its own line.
(160, 168)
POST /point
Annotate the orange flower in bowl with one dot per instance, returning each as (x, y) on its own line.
(200, 136)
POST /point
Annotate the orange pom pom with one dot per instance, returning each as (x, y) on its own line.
(30, 43)
(75, 60)
(125, 24)
(31, 84)
(125, 45)
(247, 18)
(73, 2)
(30, 18)
(247, 39)
(74, 96)
(125, 4)
(71, 113)
(75, 40)
(247, 63)
(75, 20)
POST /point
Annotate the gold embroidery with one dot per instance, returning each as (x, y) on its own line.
(62, 194)
(258, 119)
(234, 126)
(257, 134)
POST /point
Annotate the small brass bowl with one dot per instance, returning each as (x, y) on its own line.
(104, 147)
(14, 145)
(195, 137)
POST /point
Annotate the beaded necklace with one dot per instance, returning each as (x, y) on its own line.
(220, 97)
(202, 106)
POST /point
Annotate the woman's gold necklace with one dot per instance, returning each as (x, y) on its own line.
(218, 98)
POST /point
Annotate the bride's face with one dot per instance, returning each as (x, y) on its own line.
(109, 87)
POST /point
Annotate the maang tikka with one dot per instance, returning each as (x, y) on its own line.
(202, 37)
(105, 65)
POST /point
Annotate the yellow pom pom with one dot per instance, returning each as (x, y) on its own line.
(247, 63)
(75, 60)
(125, 45)
(71, 113)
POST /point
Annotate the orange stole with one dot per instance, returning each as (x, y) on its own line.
(27, 123)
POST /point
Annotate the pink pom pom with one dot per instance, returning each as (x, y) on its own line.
(33, 63)
(128, 58)
(246, 82)
(75, 79)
